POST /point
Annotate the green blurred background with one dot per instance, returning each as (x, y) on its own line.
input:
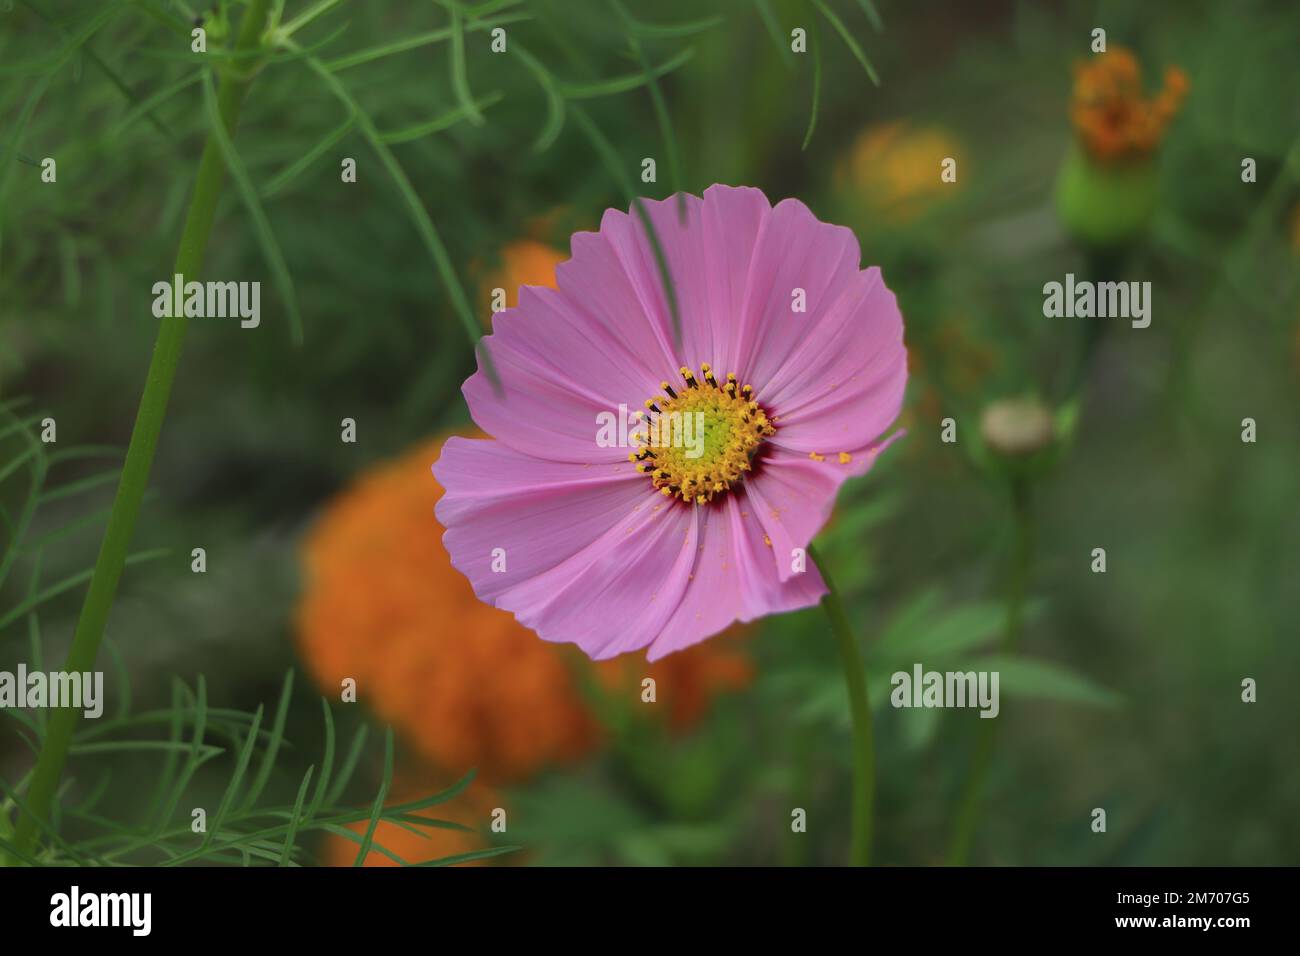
(1132, 700)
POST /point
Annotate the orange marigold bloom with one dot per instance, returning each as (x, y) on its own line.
(685, 682)
(464, 683)
(1112, 116)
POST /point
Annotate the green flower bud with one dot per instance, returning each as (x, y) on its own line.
(1017, 427)
(1107, 206)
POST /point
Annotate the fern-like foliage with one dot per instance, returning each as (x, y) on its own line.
(179, 743)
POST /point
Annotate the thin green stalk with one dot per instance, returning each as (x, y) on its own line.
(1022, 557)
(1100, 266)
(144, 437)
(815, 47)
(864, 758)
(660, 108)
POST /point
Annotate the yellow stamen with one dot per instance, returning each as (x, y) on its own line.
(704, 440)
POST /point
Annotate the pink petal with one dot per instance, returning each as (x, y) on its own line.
(708, 253)
(793, 251)
(559, 371)
(605, 337)
(615, 595)
(733, 222)
(683, 249)
(793, 496)
(597, 560)
(734, 578)
(540, 512)
(842, 386)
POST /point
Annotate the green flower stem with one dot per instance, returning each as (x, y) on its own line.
(144, 439)
(1022, 557)
(864, 758)
(1100, 266)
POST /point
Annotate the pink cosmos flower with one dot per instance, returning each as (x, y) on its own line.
(652, 546)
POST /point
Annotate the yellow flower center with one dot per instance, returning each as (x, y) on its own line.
(698, 442)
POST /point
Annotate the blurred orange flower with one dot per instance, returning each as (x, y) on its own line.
(464, 683)
(523, 262)
(685, 682)
(894, 168)
(1112, 116)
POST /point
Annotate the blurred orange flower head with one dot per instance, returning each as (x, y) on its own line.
(524, 262)
(894, 168)
(1113, 117)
